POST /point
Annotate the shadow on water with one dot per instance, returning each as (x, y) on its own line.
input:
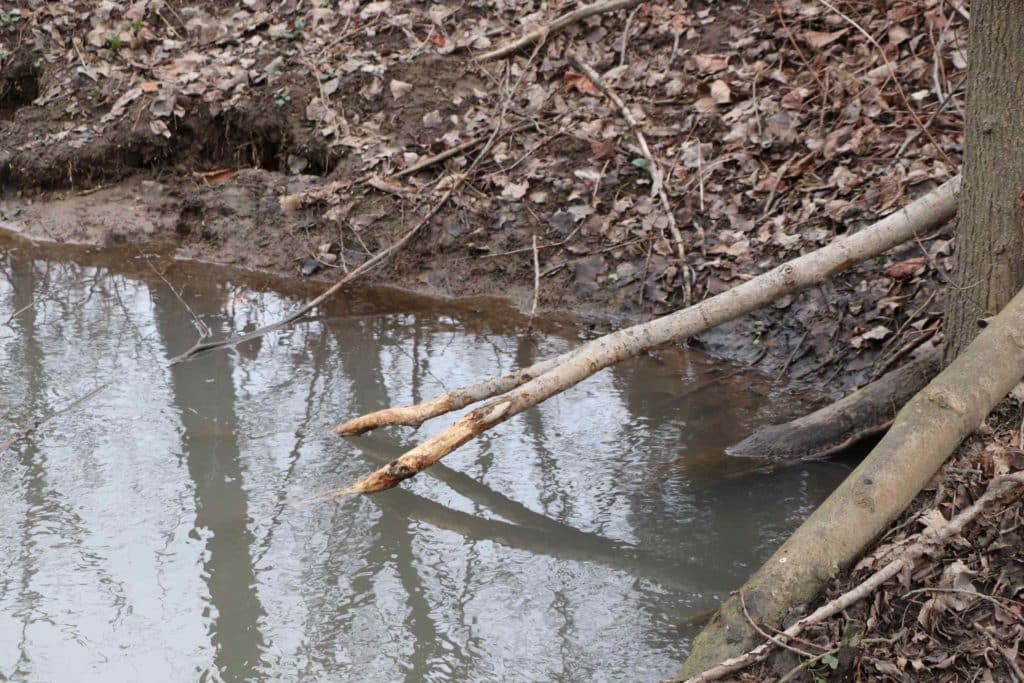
(151, 530)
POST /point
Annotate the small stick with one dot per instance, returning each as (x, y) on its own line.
(775, 186)
(25, 431)
(657, 180)
(625, 36)
(557, 25)
(536, 284)
(449, 153)
(768, 636)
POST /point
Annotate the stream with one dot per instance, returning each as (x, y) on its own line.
(151, 531)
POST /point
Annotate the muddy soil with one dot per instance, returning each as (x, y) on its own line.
(249, 133)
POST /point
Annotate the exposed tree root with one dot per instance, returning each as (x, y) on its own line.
(866, 412)
(925, 432)
(922, 215)
(928, 541)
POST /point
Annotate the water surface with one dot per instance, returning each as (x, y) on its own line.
(150, 534)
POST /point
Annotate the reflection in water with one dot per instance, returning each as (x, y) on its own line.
(209, 443)
(150, 534)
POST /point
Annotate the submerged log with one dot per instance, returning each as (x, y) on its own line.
(864, 413)
(925, 432)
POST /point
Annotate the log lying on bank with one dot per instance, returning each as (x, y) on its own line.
(929, 541)
(864, 413)
(920, 216)
(925, 432)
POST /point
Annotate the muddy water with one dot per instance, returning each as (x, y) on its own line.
(149, 533)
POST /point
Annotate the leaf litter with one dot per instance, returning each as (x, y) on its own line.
(777, 125)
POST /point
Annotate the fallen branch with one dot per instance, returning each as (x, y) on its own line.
(536, 385)
(928, 540)
(866, 412)
(657, 179)
(557, 25)
(455, 182)
(925, 432)
(204, 346)
(416, 415)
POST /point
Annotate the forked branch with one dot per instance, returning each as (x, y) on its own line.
(920, 216)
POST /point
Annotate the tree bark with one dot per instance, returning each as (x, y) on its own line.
(990, 235)
(923, 435)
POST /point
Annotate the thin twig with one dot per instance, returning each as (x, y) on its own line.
(542, 34)
(449, 153)
(625, 36)
(25, 431)
(657, 180)
(202, 347)
(202, 328)
(895, 78)
(536, 284)
(806, 664)
(916, 133)
(768, 636)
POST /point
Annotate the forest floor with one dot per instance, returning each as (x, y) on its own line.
(287, 137)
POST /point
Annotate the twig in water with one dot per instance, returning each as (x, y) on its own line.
(657, 180)
(25, 431)
(202, 347)
(201, 327)
(542, 34)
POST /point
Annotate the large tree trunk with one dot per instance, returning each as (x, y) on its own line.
(990, 235)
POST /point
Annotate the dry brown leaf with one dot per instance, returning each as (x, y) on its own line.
(819, 39)
(904, 270)
(720, 92)
(221, 175)
(711, 63)
(577, 81)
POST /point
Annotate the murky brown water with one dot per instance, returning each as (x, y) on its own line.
(149, 534)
